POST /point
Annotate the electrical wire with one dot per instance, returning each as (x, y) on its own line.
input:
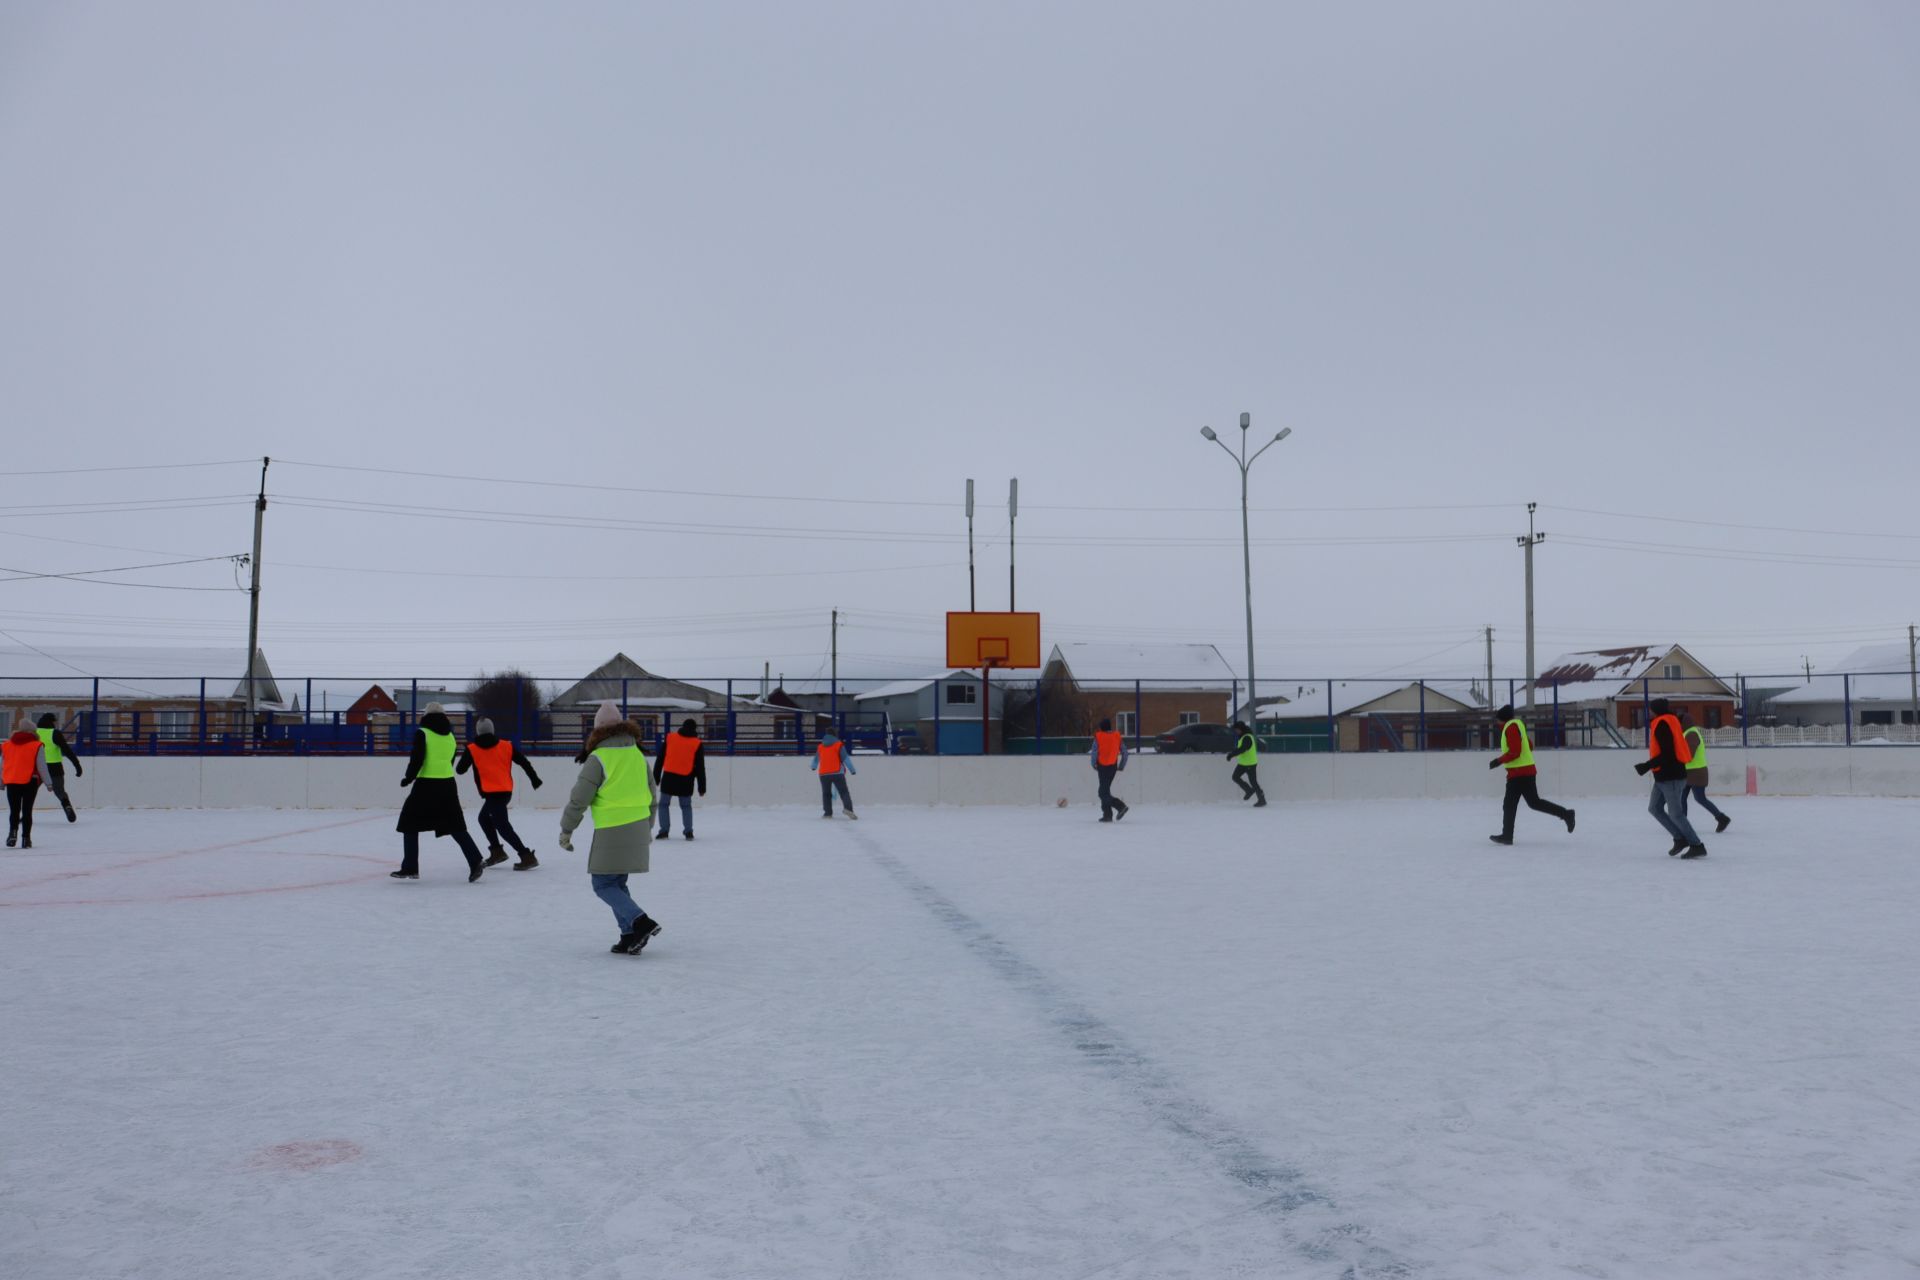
(22, 575)
(151, 466)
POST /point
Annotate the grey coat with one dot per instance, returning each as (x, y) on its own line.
(618, 850)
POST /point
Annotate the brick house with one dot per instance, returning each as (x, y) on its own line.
(127, 695)
(1145, 689)
(1610, 688)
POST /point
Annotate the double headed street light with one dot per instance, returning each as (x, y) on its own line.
(1242, 461)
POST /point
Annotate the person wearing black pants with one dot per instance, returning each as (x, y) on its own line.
(434, 803)
(54, 744)
(492, 759)
(1517, 755)
(1108, 756)
(23, 766)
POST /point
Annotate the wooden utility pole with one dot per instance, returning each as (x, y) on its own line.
(1529, 542)
(253, 605)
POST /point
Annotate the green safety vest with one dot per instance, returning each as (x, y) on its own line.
(439, 761)
(624, 796)
(1525, 759)
(1250, 756)
(1698, 743)
(46, 742)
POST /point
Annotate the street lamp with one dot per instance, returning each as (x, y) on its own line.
(1242, 461)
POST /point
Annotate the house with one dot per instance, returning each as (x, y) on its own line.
(653, 701)
(156, 695)
(1378, 715)
(1872, 689)
(374, 702)
(1606, 691)
(1145, 689)
(943, 710)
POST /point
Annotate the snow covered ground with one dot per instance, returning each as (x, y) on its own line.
(1313, 1040)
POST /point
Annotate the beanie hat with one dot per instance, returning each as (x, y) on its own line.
(1506, 712)
(606, 715)
(482, 726)
(23, 725)
(688, 727)
(433, 707)
(47, 721)
(1660, 706)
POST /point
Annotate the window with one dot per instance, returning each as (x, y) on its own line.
(1189, 717)
(1126, 722)
(1671, 671)
(1712, 717)
(1876, 717)
(173, 724)
(961, 694)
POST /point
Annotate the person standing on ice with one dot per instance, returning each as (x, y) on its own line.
(23, 768)
(492, 759)
(53, 744)
(1667, 757)
(1109, 756)
(434, 803)
(833, 762)
(1516, 753)
(1246, 764)
(681, 767)
(1697, 776)
(615, 786)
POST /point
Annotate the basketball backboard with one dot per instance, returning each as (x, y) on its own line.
(999, 640)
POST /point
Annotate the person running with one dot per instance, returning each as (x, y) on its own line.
(492, 759)
(54, 744)
(1516, 753)
(1109, 756)
(23, 768)
(833, 762)
(1246, 764)
(1697, 776)
(614, 785)
(1667, 757)
(434, 803)
(682, 766)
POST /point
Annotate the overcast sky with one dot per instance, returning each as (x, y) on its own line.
(792, 273)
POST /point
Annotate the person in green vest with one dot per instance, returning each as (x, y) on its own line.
(1246, 764)
(1697, 776)
(616, 785)
(1516, 753)
(434, 803)
(54, 744)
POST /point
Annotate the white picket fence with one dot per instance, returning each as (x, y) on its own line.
(1815, 735)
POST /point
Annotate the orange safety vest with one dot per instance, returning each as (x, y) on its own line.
(1679, 738)
(680, 752)
(1109, 745)
(19, 761)
(830, 757)
(494, 765)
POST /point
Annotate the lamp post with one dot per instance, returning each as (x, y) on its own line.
(1242, 461)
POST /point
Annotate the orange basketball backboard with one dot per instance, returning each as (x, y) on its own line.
(993, 640)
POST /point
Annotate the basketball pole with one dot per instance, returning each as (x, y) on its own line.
(973, 603)
(1013, 514)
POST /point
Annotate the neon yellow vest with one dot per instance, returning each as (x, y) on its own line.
(1525, 759)
(46, 741)
(439, 761)
(1698, 742)
(1251, 756)
(624, 796)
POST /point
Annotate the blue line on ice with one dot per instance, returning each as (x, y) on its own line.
(1285, 1188)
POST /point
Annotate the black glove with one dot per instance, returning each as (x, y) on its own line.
(703, 791)
(1642, 767)
(406, 782)
(78, 772)
(1494, 763)
(536, 784)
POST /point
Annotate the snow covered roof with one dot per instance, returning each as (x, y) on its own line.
(1589, 675)
(899, 688)
(1158, 666)
(66, 673)
(1310, 701)
(1876, 673)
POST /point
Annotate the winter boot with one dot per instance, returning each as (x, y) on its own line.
(635, 941)
(1722, 825)
(1261, 803)
(403, 875)
(661, 834)
(1106, 817)
(26, 842)
(1695, 851)
(853, 815)
(527, 861)
(1570, 813)
(686, 835)
(1678, 846)
(13, 838)
(74, 817)
(495, 855)
(1123, 809)
(1501, 839)
(475, 870)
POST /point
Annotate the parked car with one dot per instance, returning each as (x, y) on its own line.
(1216, 739)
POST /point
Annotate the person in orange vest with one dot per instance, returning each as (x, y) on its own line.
(833, 762)
(23, 767)
(492, 759)
(1109, 756)
(1516, 753)
(1667, 757)
(682, 766)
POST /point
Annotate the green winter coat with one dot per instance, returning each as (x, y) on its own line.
(616, 851)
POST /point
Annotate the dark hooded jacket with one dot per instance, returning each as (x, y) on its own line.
(433, 804)
(486, 741)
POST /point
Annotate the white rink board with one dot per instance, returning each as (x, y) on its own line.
(354, 782)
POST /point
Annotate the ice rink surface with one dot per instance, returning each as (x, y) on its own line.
(1315, 1040)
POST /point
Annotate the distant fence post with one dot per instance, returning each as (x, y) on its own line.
(93, 718)
(1559, 734)
(1742, 682)
(1039, 716)
(1333, 730)
(1136, 715)
(306, 714)
(1846, 704)
(413, 704)
(936, 717)
(623, 697)
(729, 717)
(203, 715)
(1423, 715)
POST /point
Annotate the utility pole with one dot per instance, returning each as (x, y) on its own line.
(1013, 513)
(1913, 676)
(1490, 707)
(253, 606)
(1807, 662)
(1529, 542)
(833, 699)
(973, 603)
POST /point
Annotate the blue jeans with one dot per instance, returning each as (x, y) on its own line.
(829, 782)
(612, 890)
(666, 814)
(1701, 792)
(1669, 809)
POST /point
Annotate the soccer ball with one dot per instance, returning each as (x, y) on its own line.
(1063, 802)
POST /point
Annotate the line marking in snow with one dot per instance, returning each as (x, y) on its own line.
(152, 899)
(183, 853)
(1284, 1189)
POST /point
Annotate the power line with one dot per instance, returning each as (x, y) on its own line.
(1723, 524)
(152, 466)
(22, 575)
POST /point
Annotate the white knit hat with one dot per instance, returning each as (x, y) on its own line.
(606, 715)
(433, 707)
(482, 727)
